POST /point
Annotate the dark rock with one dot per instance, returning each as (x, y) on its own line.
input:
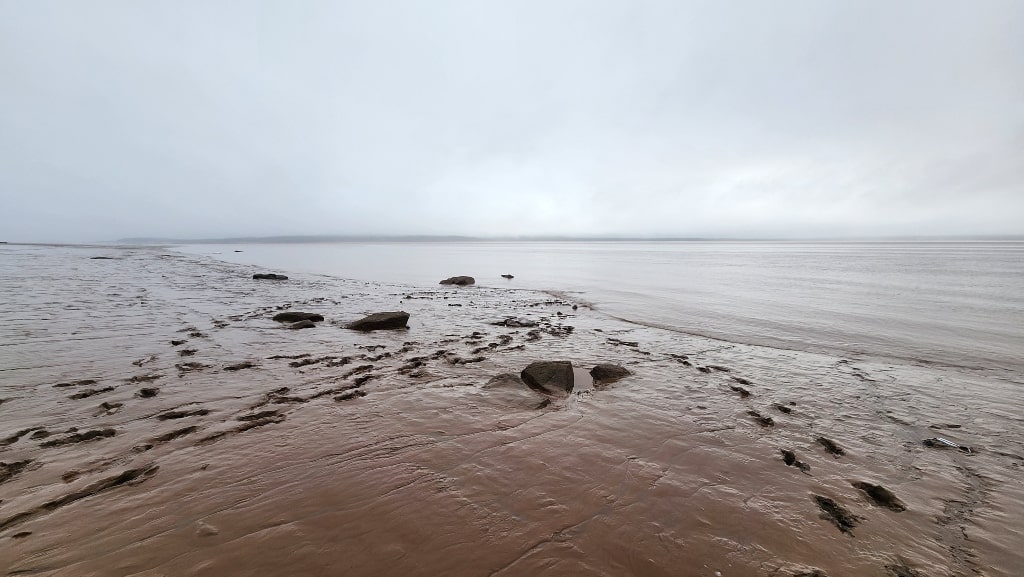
(296, 316)
(830, 446)
(269, 276)
(844, 520)
(148, 393)
(381, 321)
(101, 258)
(553, 378)
(459, 280)
(507, 276)
(761, 419)
(306, 324)
(880, 496)
(240, 366)
(608, 373)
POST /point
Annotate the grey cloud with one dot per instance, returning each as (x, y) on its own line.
(803, 118)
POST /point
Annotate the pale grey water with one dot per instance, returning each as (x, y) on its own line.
(956, 303)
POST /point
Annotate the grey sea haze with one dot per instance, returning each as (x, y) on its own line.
(950, 303)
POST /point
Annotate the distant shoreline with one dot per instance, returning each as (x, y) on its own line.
(313, 239)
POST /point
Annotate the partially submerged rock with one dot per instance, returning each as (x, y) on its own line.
(381, 321)
(269, 276)
(303, 324)
(296, 316)
(608, 373)
(459, 280)
(552, 378)
(513, 322)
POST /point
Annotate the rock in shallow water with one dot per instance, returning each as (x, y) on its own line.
(459, 280)
(608, 373)
(269, 276)
(549, 377)
(381, 321)
(303, 324)
(296, 316)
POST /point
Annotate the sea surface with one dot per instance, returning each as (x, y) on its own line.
(950, 303)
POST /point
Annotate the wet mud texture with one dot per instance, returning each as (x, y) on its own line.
(420, 452)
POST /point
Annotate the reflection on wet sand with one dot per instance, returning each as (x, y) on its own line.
(420, 451)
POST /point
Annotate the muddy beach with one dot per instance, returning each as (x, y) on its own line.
(156, 420)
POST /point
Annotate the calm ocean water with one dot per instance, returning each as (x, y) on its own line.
(956, 303)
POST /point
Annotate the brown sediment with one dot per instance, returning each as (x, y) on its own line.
(412, 464)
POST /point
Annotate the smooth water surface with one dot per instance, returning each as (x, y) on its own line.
(958, 303)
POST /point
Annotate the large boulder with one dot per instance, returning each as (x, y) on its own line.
(608, 373)
(269, 276)
(459, 280)
(381, 321)
(296, 316)
(553, 378)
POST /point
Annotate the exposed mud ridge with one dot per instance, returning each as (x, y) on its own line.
(354, 394)
(880, 496)
(143, 379)
(830, 446)
(837, 514)
(240, 366)
(90, 392)
(175, 434)
(129, 477)
(182, 414)
(81, 383)
(75, 438)
(9, 470)
(190, 367)
(901, 570)
(17, 436)
(743, 392)
(279, 396)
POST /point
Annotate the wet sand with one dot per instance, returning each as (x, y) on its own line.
(157, 421)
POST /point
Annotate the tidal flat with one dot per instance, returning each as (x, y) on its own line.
(156, 420)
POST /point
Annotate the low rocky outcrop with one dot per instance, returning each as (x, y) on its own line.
(459, 280)
(608, 373)
(553, 378)
(513, 322)
(381, 321)
(303, 324)
(269, 276)
(507, 276)
(296, 316)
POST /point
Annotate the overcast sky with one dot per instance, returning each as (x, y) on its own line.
(740, 118)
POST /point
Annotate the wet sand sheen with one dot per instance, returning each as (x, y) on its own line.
(326, 451)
